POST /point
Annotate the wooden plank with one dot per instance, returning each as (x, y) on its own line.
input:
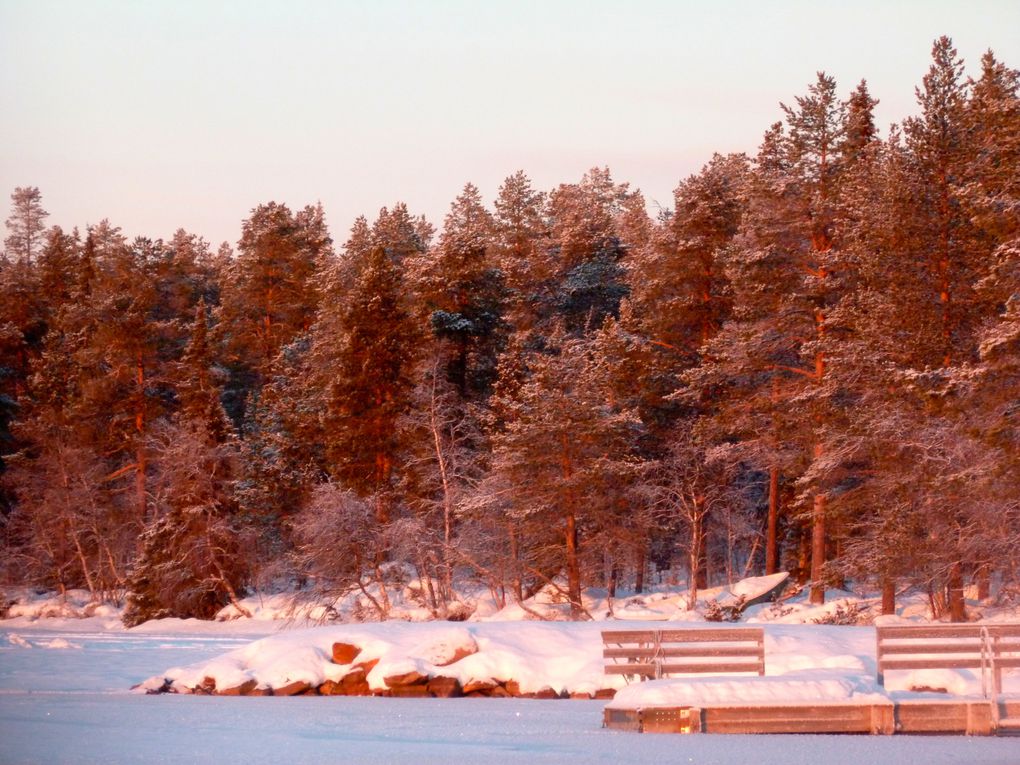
(621, 719)
(617, 637)
(714, 668)
(634, 654)
(671, 652)
(719, 634)
(932, 648)
(647, 670)
(954, 716)
(945, 662)
(920, 631)
(796, 718)
(670, 720)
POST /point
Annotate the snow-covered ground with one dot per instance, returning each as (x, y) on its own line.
(65, 698)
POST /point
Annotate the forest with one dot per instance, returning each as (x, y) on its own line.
(810, 363)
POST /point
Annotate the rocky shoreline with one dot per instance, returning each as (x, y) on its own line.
(354, 682)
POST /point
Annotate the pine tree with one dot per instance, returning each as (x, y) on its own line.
(588, 244)
(371, 361)
(190, 563)
(567, 454)
(523, 255)
(26, 225)
(268, 295)
(462, 291)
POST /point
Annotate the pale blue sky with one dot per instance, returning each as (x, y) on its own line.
(188, 113)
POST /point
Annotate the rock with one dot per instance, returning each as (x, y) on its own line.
(407, 678)
(267, 691)
(239, 690)
(330, 688)
(292, 689)
(513, 688)
(366, 666)
(480, 687)
(409, 691)
(605, 693)
(458, 653)
(207, 686)
(546, 693)
(499, 692)
(345, 653)
(580, 695)
(355, 683)
(166, 687)
(445, 687)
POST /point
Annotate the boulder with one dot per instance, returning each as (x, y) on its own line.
(409, 691)
(478, 687)
(345, 653)
(243, 689)
(513, 688)
(605, 693)
(355, 683)
(406, 678)
(292, 689)
(546, 693)
(365, 666)
(266, 691)
(445, 687)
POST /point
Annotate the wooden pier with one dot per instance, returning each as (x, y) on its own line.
(972, 717)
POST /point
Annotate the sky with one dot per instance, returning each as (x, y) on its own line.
(161, 115)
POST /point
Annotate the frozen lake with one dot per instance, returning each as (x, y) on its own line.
(71, 705)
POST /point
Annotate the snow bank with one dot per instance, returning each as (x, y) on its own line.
(562, 656)
(702, 691)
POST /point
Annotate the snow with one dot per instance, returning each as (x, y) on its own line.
(710, 691)
(65, 698)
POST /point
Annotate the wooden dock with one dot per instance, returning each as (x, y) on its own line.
(972, 717)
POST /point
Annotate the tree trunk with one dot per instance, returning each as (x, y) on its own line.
(573, 568)
(772, 534)
(699, 551)
(141, 459)
(639, 570)
(818, 551)
(888, 596)
(803, 557)
(957, 607)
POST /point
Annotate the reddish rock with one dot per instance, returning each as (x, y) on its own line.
(261, 692)
(513, 688)
(409, 691)
(459, 653)
(580, 695)
(345, 653)
(547, 693)
(445, 687)
(480, 687)
(605, 693)
(355, 683)
(243, 689)
(407, 678)
(330, 688)
(366, 666)
(499, 692)
(207, 686)
(292, 689)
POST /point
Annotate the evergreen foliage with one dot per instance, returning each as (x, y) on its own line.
(810, 363)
